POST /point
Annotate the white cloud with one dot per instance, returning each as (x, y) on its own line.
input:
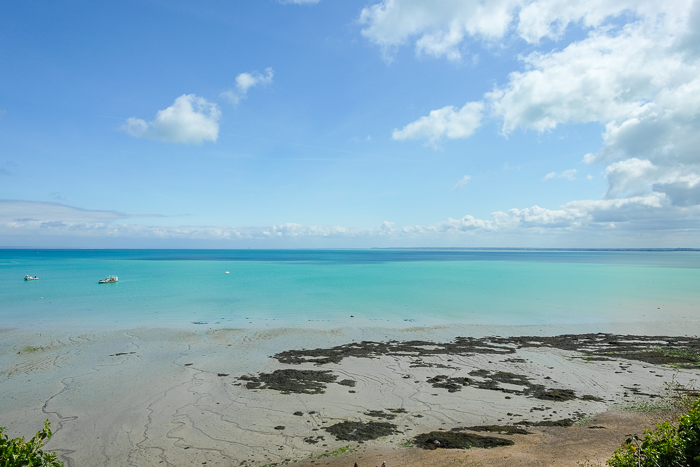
(630, 177)
(444, 123)
(40, 214)
(245, 81)
(549, 18)
(603, 78)
(41, 219)
(466, 224)
(569, 174)
(387, 228)
(32, 221)
(652, 213)
(439, 25)
(636, 72)
(462, 182)
(191, 119)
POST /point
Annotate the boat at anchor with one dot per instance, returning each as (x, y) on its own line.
(30, 278)
(109, 280)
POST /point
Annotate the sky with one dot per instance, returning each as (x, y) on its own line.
(353, 124)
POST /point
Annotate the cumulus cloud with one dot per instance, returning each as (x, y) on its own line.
(439, 26)
(191, 119)
(245, 81)
(462, 182)
(444, 123)
(567, 174)
(636, 72)
(466, 224)
(652, 213)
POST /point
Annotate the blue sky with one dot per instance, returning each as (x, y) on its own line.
(268, 124)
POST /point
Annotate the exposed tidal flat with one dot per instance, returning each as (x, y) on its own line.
(265, 365)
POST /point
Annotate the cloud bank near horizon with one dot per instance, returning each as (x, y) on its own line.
(610, 218)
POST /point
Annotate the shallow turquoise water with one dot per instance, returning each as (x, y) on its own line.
(324, 288)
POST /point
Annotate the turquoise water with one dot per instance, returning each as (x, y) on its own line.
(315, 288)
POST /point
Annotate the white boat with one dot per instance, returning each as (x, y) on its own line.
(30, 278)
(109, 280)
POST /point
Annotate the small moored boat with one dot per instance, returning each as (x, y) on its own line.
(109, 280)
(30, 278)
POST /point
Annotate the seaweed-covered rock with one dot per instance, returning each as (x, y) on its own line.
(455, 440)
(361, 431)
(677, 351)
(380, 414)
(451, 384)
(291, 381)
(559, 395)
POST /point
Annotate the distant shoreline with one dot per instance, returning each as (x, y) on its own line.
(426, 248)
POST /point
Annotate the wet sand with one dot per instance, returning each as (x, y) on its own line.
(246, 397)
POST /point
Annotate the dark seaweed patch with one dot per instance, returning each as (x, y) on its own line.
(380, 414)
(313, 440)
(369, 349)
(388, 416)
(557, 395)
(291, 381)
(361, 431)
(657, 350)
(451, 384)
(348, 382)
(456, 440)
(491, 382)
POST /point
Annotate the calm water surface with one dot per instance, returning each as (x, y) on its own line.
(323, 288)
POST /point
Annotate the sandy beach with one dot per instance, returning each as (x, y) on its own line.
(223, 397)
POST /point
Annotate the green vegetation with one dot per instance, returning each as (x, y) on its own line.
(337, 452)
(680, 357)
(670, 444)
(642, 406)
(17, 452)
(30, 349)
(407, 444)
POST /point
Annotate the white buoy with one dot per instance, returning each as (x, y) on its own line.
(226, 272)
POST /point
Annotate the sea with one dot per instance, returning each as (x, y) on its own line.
(339, 288)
